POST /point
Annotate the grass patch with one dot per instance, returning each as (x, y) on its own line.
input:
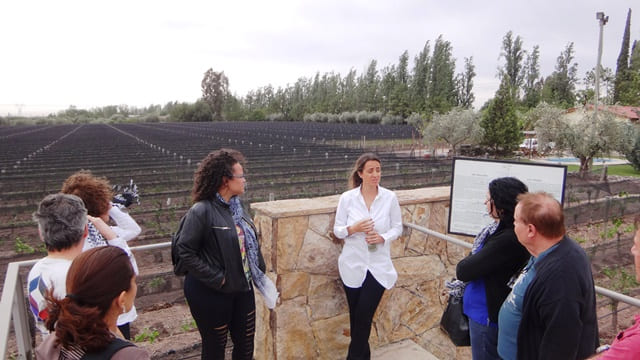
(620, 170)
(147, 334)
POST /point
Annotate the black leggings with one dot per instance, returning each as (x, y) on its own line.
(217, 314)
(363, 302)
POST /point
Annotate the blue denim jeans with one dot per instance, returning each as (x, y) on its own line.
(484, 341)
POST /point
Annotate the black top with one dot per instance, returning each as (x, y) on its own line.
(209, 249)
(500, 258)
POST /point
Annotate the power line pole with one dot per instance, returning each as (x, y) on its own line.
(603, 21)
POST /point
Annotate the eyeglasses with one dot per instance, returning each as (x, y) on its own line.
(238, 176)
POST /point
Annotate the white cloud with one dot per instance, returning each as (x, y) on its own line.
(140, 52)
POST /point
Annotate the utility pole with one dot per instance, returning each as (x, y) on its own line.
(603, 21)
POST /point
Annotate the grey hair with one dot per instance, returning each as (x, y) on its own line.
(61, 219)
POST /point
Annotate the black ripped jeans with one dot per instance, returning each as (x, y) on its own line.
(363, 302)
(217, 314)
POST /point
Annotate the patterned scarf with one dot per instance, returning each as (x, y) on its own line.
(95, 239)
(455, 286)
(261, 281)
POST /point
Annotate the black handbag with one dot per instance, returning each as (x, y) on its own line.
(455, 323)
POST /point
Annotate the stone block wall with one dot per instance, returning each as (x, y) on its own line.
(311, 320)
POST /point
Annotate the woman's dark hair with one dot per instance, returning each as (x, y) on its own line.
(504, 197)
(94, 191)
(213, 171)
(96, 277)
(354, 179)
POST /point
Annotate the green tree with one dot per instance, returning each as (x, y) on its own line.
(630, 90)
(622, 65)
(532, 86)
(349, 91)
(558, 88)
(513, 70)
(606, 79)
(458, 126)
(420, 79)
(387, 85)
(632, 153)
(586, 137)
(464, 85)
(543, 112)
(399, 97)
(500, 121)
(442, 87)
(185, 112)
(368, 88)
(215, 89)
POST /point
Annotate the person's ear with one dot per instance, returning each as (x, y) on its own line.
(121, 301)
(531, 230)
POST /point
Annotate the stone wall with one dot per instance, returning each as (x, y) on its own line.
(311, 320)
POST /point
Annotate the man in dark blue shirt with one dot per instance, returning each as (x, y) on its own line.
(550, 313)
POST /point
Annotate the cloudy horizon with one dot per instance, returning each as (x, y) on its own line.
(142, 53)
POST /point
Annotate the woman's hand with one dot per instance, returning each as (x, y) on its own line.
(372, 237)
(105, 230)
(364, 225)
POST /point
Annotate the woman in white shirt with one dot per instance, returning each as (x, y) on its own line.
(97, 194)
(368, 218)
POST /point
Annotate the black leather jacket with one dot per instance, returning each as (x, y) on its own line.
(209, 247)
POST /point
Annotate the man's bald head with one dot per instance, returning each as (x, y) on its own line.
(544, 212)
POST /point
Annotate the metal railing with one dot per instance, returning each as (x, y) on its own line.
(13, 305)
(13, 301)
(616, 296)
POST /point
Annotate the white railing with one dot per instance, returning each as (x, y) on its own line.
(13, 301)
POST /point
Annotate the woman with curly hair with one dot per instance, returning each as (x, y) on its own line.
(101, 285)
(98, 198)
(219, 250)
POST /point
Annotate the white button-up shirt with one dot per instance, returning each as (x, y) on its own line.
(356, 259)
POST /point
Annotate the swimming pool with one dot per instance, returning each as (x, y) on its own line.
(574, 159)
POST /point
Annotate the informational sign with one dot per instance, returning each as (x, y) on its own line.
(471, 177)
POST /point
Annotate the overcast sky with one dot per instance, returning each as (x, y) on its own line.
(61, 53)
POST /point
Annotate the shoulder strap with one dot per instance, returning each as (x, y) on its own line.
(116, 345)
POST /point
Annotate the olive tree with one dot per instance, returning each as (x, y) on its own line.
(585, 135)
(456, 127)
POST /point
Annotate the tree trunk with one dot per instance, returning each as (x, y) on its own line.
(585, 166)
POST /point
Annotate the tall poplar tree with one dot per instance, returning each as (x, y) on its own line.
(532, 87)
(464, 85)
(442, 88)
(215, 88)
(622, 65)
(512, 71)
(559, 87)
(399, 97)
(368, 87)
(420, 78)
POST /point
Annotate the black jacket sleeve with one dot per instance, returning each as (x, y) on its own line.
(501, 253)
(192, 247)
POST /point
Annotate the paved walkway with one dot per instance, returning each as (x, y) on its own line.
(403, 350)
